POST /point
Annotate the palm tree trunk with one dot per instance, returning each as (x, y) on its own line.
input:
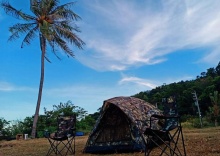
(36, 115)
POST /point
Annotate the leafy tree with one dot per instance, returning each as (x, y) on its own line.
(215, 99)
(86, 124)
(217, 69)
(13, 128)
(211, 72)
(203, 74)
(216, 83)
(3, 125)
(96, 115)
(52, 24)
(27, 123)
(68, 108)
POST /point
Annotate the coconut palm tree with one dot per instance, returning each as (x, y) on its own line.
(55, 26)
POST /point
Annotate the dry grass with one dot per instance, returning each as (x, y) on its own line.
(199, 142)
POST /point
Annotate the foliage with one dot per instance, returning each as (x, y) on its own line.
(12, 129)
(3, 127)
(3, 123)
(194, 122)
(86, 124)
(215, 99)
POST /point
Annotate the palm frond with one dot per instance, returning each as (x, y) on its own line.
(65, 12)
(34, 7)
(50, 5)
(43, 7)
(15, 13)
(47, 59)
(18, 29)
(30, 35)
(14, 36)
(66, 25)
(63, 45)
(69, 36)
(52, 45)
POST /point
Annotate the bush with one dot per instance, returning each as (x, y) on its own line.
(194, 122)
(186, 118)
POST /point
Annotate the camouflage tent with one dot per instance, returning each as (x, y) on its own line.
(118, 128)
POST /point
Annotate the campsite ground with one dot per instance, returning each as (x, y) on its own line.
(199, 142)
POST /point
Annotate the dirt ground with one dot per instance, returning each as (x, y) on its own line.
(198, 142)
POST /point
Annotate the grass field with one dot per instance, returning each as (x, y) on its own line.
(198, 142)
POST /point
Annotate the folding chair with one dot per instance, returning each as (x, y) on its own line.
(169, 137)
(64, 137)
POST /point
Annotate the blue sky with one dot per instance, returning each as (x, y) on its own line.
(131, 46)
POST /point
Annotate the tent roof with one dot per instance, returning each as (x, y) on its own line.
(134, 108)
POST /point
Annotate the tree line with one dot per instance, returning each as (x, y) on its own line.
(206, 86)
(48, 121)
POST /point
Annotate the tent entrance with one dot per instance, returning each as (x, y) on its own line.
(114, 127)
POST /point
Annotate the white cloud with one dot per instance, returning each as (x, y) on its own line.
(146, 84)
(133, 34)
(135, 80)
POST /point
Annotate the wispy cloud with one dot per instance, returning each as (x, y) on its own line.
(133, 34)
(214, 55)
(4, 86)
(146, 84)
(135, 80)
(8, 87)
